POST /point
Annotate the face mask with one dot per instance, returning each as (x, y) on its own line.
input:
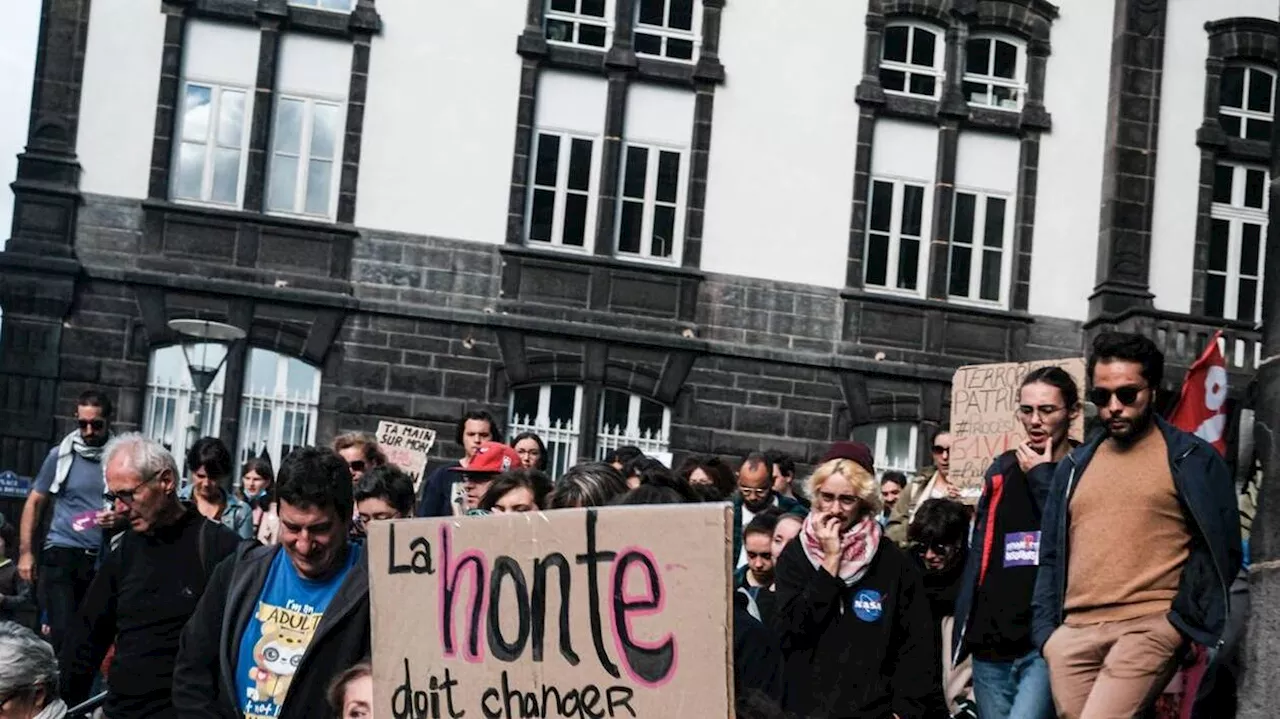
(255, 496)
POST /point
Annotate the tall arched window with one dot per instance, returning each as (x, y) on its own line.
(629, 419)
(176, 414)
(995, 70)
(554, 413)
(911, 62)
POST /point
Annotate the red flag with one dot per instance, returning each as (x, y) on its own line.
(1201, 409)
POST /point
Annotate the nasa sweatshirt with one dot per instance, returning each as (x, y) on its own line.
(147, 588)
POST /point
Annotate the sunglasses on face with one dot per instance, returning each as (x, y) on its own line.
(1101, 396)
(939, 449)
(942, 550)
(97, 424)
(357, 466)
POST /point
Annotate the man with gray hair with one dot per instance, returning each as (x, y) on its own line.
(28, 675)
(148, 586)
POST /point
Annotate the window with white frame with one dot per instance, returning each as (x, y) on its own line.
(554, 413)
(1237, 237)
(994, 72)
(895, 235)
(667, 28)
(1247, 102)
(911, 61)
(578, 22)
(979, 236)
(278, 407)
(175, 414)
(629, 419)
(304, 148)
(562, 192)
(339, 5)
(210, 152)
(651, 202)
(894, 445)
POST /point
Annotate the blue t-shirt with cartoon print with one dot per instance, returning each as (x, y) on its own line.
(282, 626)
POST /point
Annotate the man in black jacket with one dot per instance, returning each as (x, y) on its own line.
(278, 623)
(147, 587)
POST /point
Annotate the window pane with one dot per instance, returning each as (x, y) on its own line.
(912, 209)
(908, 263)
(1261, 85)
(575, 220)
(563, 5)
(650, 416)
(1219, 232)
(922, 48)
(1246, 304)
(1006, 60)
(895, 80)
(958, 283)
(897, 444)
(994, 234)
(664, 230)
(561, 404)
(1258, 129)
(614, 408)
(524, 404)
(284, 178)
(634, 174)
(559, 30)
(594, 8)
(230, 119)
(679, 49)
(226, 174)
(1250, 244)
(646, 44)
(1005, 97)
(989, 284)
(895, 43)
(962, 223)
(881, 205)
(668, 176)
(1254, 187)
(190, 170)
(195, 113)
(977, 93)
(651, 12)
(288, 126)
(1232, 92)
(1230, 125)
(1215, 292)
(319, 186)
(922, 85)
(324, 132)
(544, 207)
(977, 56)
(580, 164)
(681, 17)
(548, 160)
(1222, 178)
(877, 259)
(336, 4)
(592, 35)
(629, 227)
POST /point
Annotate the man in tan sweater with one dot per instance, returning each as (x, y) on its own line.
(1138, 545)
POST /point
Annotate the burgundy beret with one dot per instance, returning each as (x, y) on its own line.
(854, 451)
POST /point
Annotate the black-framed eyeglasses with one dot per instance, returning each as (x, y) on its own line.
(1101, 396)
(753, 492)
(126, 496)
(97, 424)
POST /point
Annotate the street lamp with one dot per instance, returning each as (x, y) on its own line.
(205, 347)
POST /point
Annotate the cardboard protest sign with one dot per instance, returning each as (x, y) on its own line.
(984, 422)
(406, 446)
(571, 613)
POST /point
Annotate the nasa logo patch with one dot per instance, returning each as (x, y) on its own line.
(867, 605)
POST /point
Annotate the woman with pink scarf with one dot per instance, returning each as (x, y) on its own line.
(852, 618)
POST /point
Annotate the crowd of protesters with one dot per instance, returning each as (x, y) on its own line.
(1083, 579)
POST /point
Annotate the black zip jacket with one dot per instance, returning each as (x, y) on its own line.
(1206, 492)
(204, 678)
(140, 600)
(860, 652)
(984, 548)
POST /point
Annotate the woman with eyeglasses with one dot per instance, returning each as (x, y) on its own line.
(209, 467)
(939, 544)
(852, 618)
(932, 483)
(28, 676)
(532, 451)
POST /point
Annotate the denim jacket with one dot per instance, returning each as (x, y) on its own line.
(238, 515)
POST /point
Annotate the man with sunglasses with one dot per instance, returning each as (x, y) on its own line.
(65, 504)
(1139, 543)
(148, 585)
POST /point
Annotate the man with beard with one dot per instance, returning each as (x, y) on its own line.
(69, 489)
(755, 494)
(1139, 541)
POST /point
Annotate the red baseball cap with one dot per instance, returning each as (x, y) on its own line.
(491, 458)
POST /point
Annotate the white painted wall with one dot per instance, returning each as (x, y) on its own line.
(440, 119)
(571, 102)
(988, 163)
(19, 35)
(314, 67)
(118, 98)
(1178, 158)
(659, 115)
(1069, 190)
(905, 150)
(221, 53)
(780, 180)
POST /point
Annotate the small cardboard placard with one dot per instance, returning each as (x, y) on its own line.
(984, 421)
(406, 446)
(568, 613)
